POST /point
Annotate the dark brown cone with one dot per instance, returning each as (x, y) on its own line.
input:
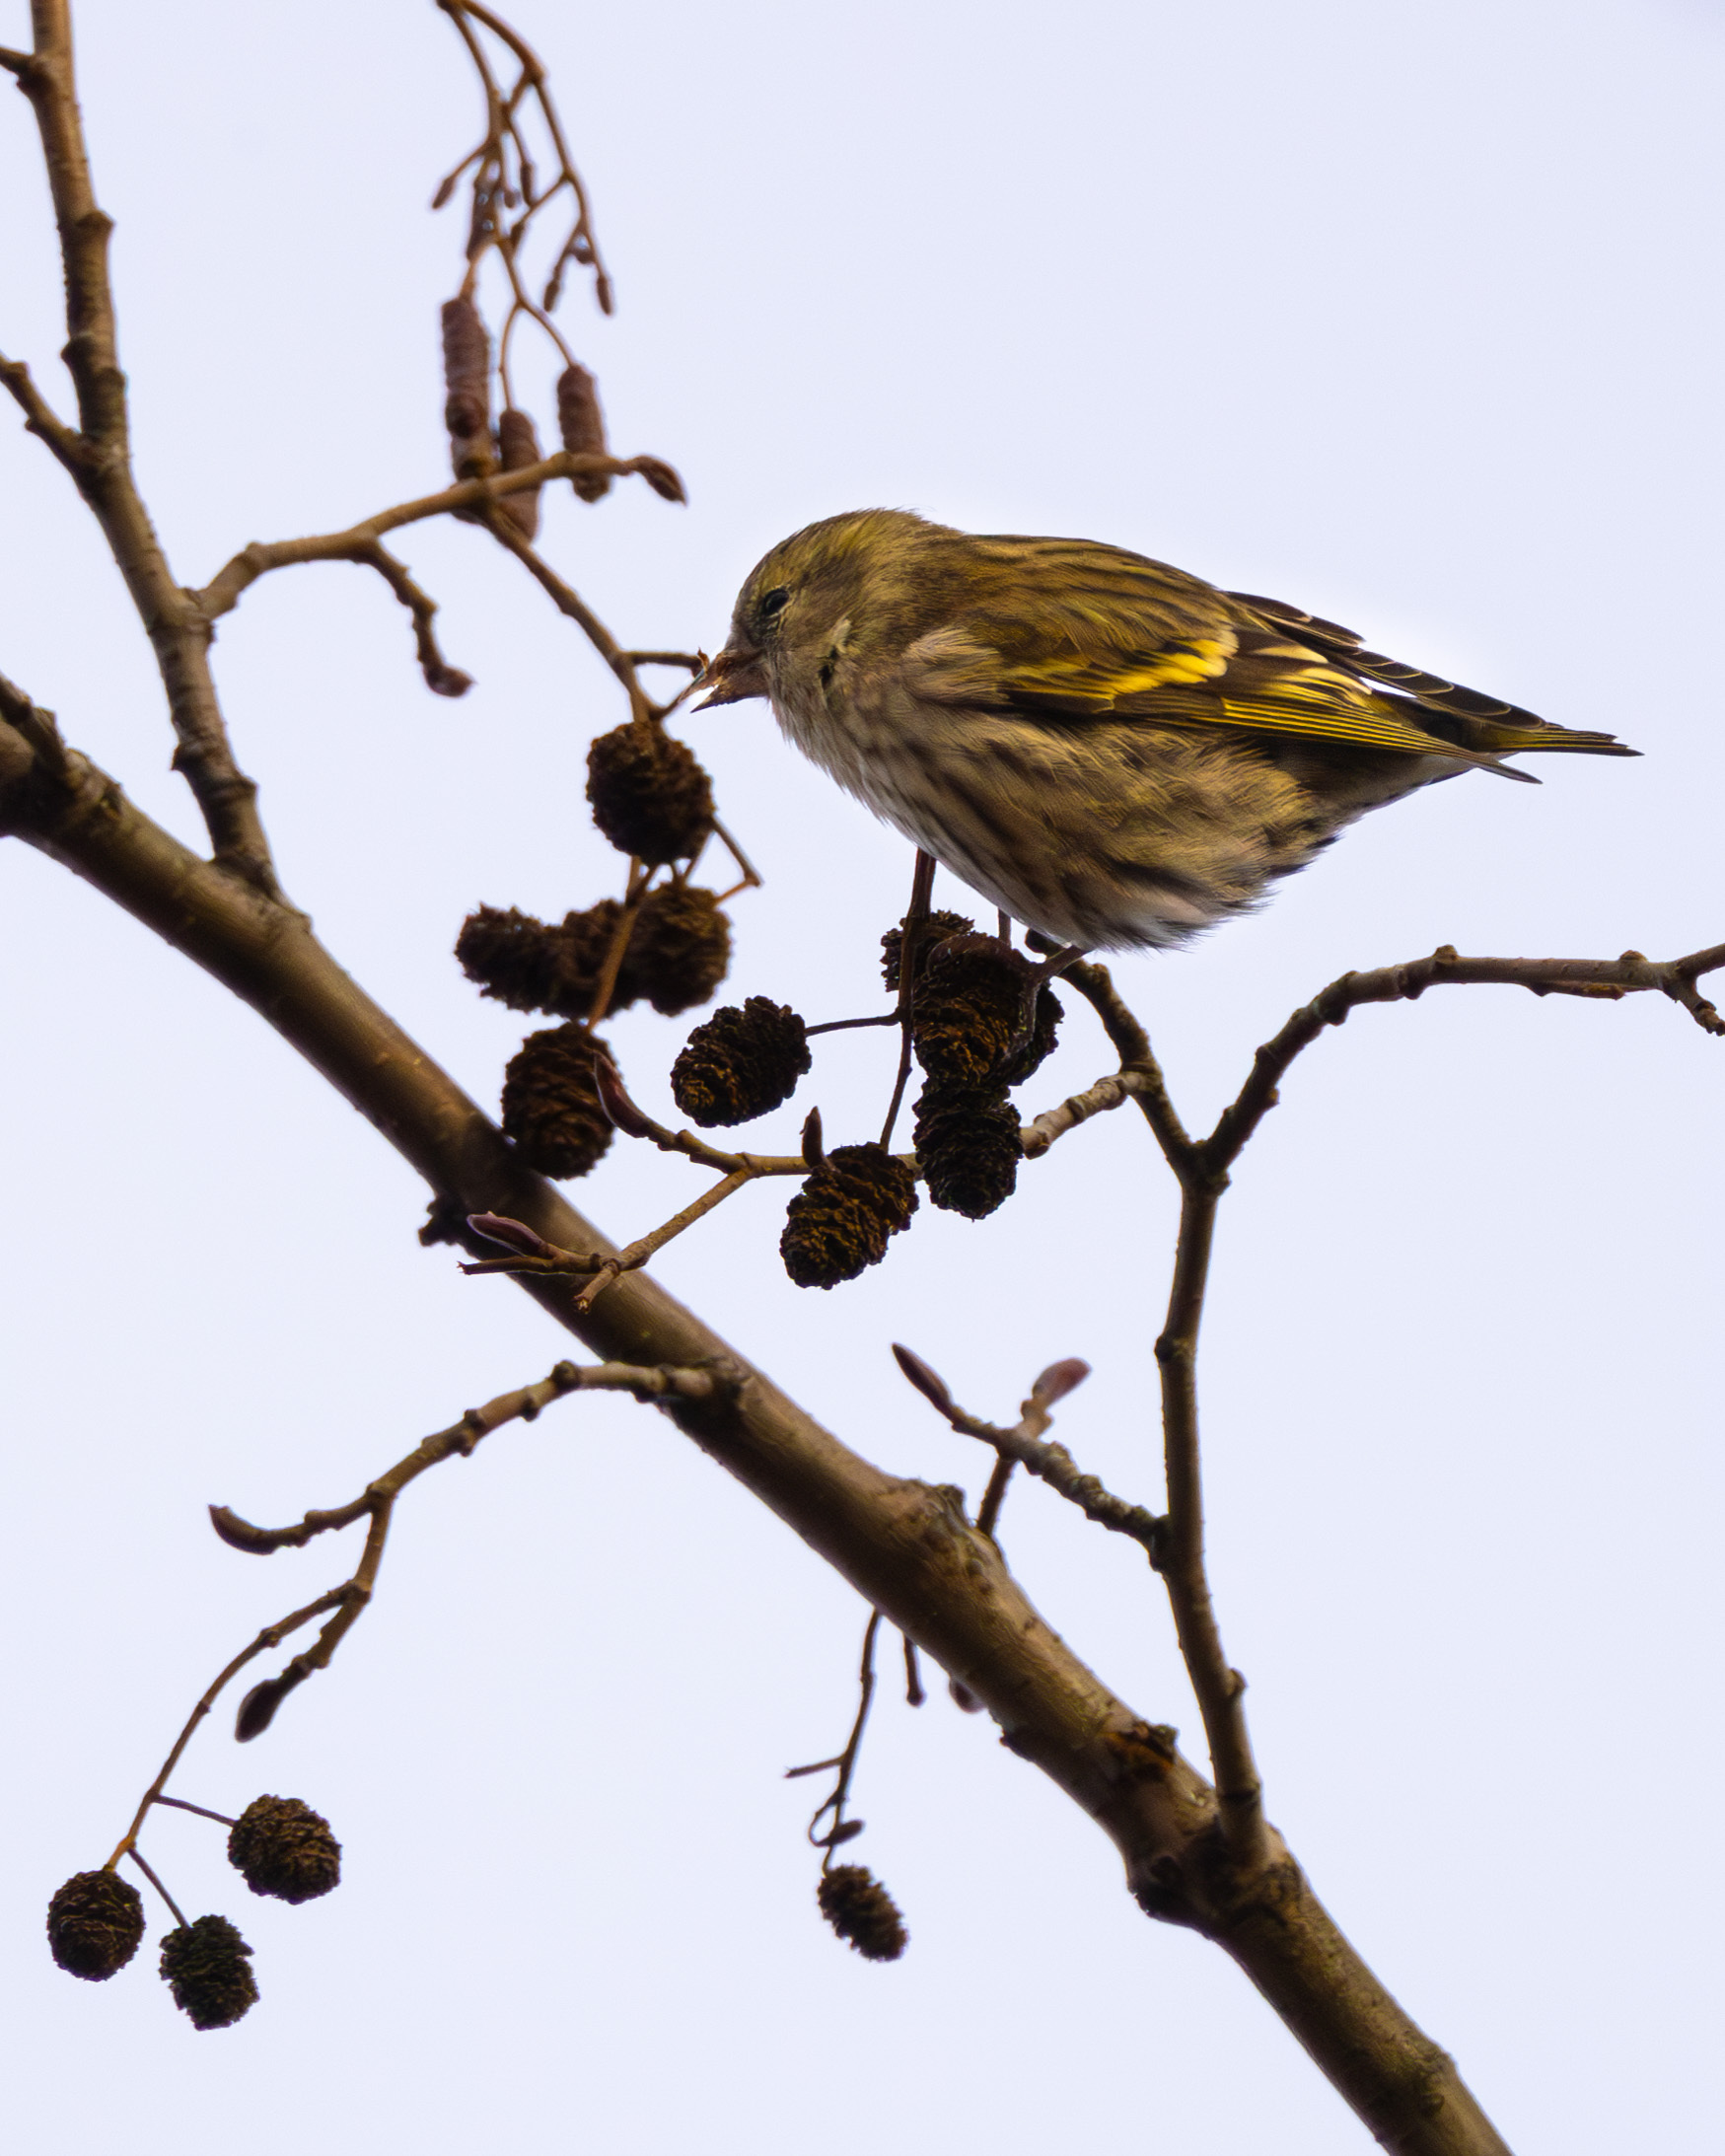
(939, 925)
(550, 1102)
(530, 966)
(95, 1922)
(838, 1224)
(208, 1968)
(582, 426)
(467, 376)
(282, 1847)
(739, 1063)
(518, 445)
(650, 796)
(514, 957)
(859, 1908)
(681, 949)
(968, 1017)
(967, 1148)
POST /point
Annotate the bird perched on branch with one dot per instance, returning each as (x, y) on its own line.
(1107, 750)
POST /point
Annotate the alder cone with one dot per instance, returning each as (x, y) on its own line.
(207, 1966)
(861, 1910)
(95, 1923)
(551, 1108)
(681, 949)
(839, 1223)
(581, 424)
(528, 965)
(650, 796)
(518, 445)
(282, 1847)
(967, 1148)
(938, 926)
(741, 1062)
(968, 1020)
(513, 957)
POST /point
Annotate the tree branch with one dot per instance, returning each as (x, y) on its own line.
(1605, 979)
(472, 499)
(1024, 1446)
(102, 466)
(898, 1543)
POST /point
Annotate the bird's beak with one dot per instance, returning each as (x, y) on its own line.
(735, 677)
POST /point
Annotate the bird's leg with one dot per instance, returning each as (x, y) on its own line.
(1034, 982)
(1005, 927)
(910, 938)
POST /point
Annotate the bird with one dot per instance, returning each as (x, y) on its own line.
(1111, 752)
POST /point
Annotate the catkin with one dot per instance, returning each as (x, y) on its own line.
(582, 426)
(467, 377)
(518, 445)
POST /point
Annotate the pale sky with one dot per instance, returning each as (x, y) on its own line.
(1407, 315)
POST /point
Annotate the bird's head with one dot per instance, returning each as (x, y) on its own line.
(796, 597)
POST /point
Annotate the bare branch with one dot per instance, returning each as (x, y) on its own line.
(474, 500)
(441, 678)
(840, 1830)
(525, 1404)
(39, 416)
(1131, 1044)
(1050, 1462)
(1604, 980)
(226, 797)
(1218, 1687)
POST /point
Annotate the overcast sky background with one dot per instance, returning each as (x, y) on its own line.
(1408, 316)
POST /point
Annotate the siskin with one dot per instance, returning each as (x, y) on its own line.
(1107, 750)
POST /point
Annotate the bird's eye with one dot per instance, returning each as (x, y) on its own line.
(773, 604)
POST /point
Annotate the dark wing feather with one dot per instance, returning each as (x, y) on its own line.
(1506, 727)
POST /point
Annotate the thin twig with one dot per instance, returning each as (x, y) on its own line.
(994, 1496)
(914, 1694)
(1132, 1044)
(652, 1382)
(909, 938)
(842, 1829)
(1218, 1687)
(1604, 980)
(138, 1859)
(180, 1804)
(502, 130)
(1048, 1462)
(271, 1636)
(377, 1502)
(634, 892)
(750, 875)
(1113, 1091)
(441, 678)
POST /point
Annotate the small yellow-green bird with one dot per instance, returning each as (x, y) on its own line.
(1107, 750)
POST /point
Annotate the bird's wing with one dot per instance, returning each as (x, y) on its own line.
(1061, 631)
(1348, 651)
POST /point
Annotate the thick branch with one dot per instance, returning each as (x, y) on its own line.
(898, 1543)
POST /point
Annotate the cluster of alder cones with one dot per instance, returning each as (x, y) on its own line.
(652, 801)
(280, 1846)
